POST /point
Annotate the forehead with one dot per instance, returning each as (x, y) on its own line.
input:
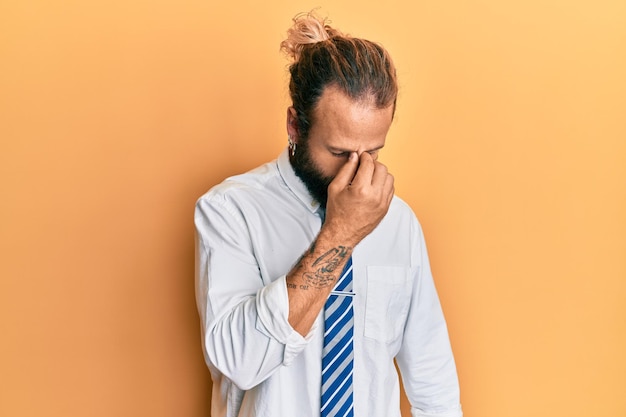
(349, 123)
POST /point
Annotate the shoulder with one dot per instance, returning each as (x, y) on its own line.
(401, 211)
(242, 187)
(403, 219)
(227, 205)
(398, 203)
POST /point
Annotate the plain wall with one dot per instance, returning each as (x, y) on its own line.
(509, 143)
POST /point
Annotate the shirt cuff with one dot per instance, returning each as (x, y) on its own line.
(273, 313)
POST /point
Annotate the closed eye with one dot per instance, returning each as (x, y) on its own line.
(345, 154)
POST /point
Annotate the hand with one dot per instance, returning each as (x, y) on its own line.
(358, 198)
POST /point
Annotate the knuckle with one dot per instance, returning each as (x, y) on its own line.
(333, 187)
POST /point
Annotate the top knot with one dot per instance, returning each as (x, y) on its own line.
(307, 29)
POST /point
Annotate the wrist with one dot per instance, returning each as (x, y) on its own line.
(335, 234)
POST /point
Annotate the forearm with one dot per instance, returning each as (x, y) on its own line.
(312, 279)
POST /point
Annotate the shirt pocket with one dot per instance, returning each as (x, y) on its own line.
(387, 302)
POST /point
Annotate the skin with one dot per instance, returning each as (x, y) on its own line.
(344, 141)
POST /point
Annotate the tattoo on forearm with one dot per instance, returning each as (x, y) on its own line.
(326, 265)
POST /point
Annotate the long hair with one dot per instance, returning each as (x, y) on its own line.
(323, 56)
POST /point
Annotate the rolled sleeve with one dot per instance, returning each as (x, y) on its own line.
(273, 312)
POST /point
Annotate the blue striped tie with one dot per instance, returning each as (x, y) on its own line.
(337, 354)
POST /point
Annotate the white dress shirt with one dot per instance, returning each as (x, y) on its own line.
(251, 230)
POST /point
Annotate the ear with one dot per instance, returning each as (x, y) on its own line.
(292, 124)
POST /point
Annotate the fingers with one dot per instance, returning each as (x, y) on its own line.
(364, 173)
(366, 170)
(380, 175)
(371, 172)
(346, 173)
(389, 188)
(383, 181)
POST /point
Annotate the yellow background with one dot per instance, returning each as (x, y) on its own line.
(509, 143)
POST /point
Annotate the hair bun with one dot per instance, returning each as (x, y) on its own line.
(308, 28)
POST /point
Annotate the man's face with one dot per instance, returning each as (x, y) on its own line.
(340, 126)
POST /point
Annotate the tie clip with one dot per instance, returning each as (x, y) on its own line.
(344, 293)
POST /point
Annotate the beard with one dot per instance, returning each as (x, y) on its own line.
(306, 169)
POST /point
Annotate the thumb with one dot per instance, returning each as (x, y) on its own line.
(347, 171)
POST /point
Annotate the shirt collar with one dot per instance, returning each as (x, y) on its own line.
(294, 183)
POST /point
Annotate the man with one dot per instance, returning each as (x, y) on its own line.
(315, 236)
